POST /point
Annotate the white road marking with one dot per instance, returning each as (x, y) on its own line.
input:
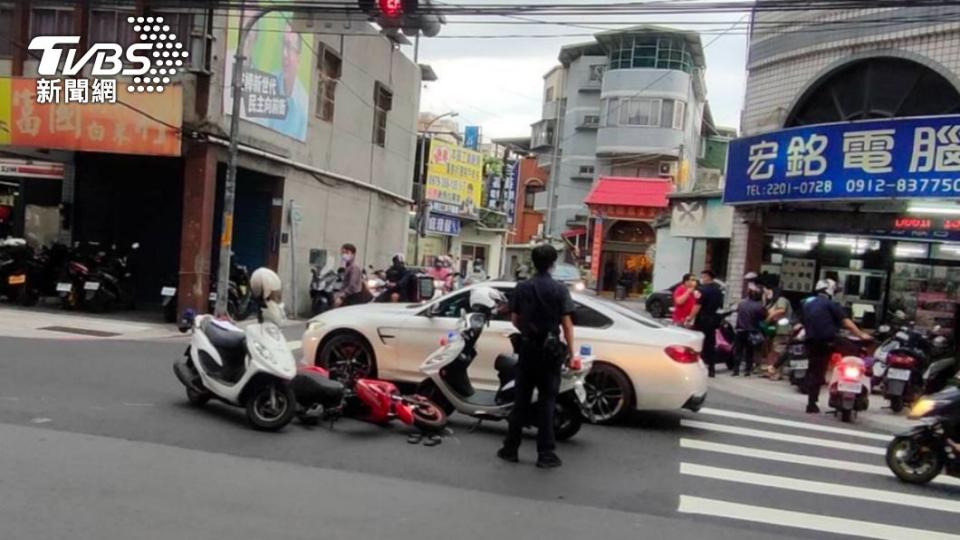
(784, 437)
(295, 345)
(820, 488)
(40, 420)
(800, 520)
(799, 459)
(794, 424)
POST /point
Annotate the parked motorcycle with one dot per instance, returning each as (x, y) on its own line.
(324, 284)
(19, 272)
(111, 283)
(73, 275)
(919, 455)
(798, 362)
(849, 388)
(448, 383)
(250, 368)
(240, 301)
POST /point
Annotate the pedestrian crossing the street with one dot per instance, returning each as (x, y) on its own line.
(806, 479)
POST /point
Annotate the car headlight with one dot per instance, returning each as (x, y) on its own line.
(579, 286)
(313, 326)
(922, 407)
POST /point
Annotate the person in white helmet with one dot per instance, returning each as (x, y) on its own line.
(822, 320)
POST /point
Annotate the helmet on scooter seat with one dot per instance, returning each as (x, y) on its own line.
(486, 299)
(264, 283)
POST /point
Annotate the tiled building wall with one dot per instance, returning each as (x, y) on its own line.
(775, 83)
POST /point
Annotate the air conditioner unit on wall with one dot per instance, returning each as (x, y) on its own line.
(668, 169)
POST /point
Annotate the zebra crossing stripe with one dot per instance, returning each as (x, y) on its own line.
(820, 488)
(783, 437)
(794, 424)
(801, 520)
(799, 459)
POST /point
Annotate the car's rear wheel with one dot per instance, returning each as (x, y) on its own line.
(609, 393)
(347, 357)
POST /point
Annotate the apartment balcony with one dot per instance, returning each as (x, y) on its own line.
(618, 140)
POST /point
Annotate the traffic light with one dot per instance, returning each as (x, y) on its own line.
(392, 9)
(402, 15)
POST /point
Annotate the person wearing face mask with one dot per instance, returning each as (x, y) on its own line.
(354, 290)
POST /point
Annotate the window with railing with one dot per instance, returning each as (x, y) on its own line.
(644, 112)
(651, 52)
(383, 103)
(328, 74)
(543, 133)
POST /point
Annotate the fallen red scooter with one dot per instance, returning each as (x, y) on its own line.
(380, 402)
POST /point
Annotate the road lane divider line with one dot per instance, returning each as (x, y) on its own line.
(784, 437)
(795, 424)
(820, 488)
(801, 520)
(799, 459)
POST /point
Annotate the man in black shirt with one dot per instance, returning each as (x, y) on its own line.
(704, 317)
(540, 306)
(822, 319)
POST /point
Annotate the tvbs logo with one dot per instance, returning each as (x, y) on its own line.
(150, 63)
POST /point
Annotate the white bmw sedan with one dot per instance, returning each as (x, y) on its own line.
(639, 363)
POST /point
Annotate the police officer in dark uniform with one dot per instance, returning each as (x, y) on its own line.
(540, 306)
(822, 319)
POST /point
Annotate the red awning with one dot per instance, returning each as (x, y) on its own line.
(629, 191)
(574, 232)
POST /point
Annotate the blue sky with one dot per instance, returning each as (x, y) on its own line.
(496, 83)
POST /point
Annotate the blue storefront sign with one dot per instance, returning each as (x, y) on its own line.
(902, 158)
(445, 225)
(471, 137)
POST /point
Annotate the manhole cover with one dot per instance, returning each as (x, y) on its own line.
(80, 331)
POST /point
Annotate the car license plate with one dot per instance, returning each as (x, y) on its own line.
(799, 364)
(899, 374)
(64, 287)
(213, 297)
(18, 279)
(852, 387)
(91, 286)
(168, 291)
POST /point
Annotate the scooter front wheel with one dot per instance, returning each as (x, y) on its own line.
(271, 407)
(567, 421)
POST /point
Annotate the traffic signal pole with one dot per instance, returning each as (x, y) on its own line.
(230, 185)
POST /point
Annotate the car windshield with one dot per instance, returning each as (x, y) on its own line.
(632, 315)
(565, 272)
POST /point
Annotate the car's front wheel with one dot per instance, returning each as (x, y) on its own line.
(609, 393)
(347, 357)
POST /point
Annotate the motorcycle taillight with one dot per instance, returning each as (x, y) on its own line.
(900, 360)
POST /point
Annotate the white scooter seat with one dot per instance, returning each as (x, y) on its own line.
(222, 335)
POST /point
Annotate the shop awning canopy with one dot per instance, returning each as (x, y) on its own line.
(630, 191)
(574, 232)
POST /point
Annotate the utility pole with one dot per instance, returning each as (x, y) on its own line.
(554, 170)
(421, 200)
(230, 185)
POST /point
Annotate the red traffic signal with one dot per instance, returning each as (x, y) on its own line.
(391, 8)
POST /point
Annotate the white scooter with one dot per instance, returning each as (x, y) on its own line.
(249, 368)
(448, 384)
